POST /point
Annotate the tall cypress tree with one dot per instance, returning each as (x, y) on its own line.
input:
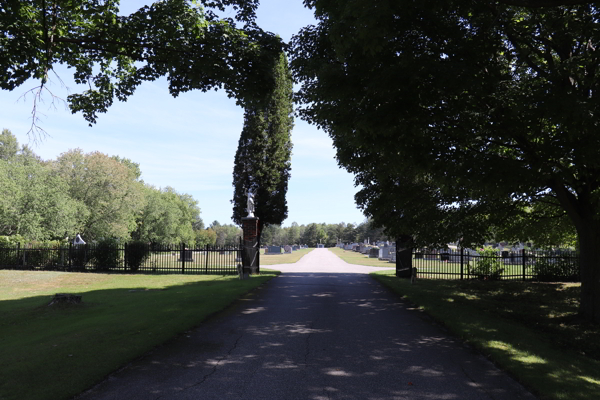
(263, 158)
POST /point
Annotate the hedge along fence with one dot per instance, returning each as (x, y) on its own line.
(111, 256)
(493, 264)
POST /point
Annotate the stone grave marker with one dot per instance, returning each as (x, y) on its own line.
(186, 255)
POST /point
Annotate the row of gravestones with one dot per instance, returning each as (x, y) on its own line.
(384, 251)
(286, 249)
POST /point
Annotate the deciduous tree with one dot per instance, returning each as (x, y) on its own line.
(112, 54)
(457, 116)
(107, 191)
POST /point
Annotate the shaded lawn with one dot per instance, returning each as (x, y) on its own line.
(282, 258)
(532, 330)
(56, 352)
(352, 257)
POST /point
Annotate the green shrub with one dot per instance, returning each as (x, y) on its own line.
(11, 241)
(558, 269)
(105, 255)
(136, 254)
(488, 265)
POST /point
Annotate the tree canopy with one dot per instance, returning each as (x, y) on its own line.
(458, 115)
(96, 195)
(112, 54)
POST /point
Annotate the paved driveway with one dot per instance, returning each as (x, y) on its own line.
(322, 330)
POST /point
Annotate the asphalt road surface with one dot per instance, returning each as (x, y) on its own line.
(321, 330)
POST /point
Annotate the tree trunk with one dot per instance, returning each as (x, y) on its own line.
(589, 247)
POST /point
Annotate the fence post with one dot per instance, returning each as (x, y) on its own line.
(462, 254)
(523, 254)
(206, 266)
(182, 257)
(125, 255)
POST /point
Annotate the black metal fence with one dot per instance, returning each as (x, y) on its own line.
(160, 259)
(548, 266)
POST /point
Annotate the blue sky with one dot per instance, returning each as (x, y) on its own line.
(189, 142)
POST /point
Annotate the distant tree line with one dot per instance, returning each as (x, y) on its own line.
(326, 234)
(104, 197)
(96, 195)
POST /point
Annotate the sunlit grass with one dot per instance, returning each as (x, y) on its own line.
(56, 352)
(272, 259)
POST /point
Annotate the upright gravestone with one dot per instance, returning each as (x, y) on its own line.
(185, 255)
(274, 250)
(288, 249)
(392, 258)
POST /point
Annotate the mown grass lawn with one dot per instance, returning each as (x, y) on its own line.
(56, 352)
(531, 330)
(272, 259)
(353, 257)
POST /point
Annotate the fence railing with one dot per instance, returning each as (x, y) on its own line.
(166, 259)
(505, 265)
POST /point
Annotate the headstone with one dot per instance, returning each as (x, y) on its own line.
(373, 252)
(454, 258)
(288, 249)
(431, 254)
(295, 247)
(274, 250)
(392, 254)
(186, 255)
(320, 246)
(384, 252)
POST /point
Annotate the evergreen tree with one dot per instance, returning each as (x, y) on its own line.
(263, 158)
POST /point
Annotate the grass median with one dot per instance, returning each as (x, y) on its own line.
(531, 330)
(272, 259)
(353, 257)
(56, 352)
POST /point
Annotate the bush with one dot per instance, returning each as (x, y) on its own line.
(11, 241)
(105, 255)
(558, 269)
(488, 265)
(136, 254)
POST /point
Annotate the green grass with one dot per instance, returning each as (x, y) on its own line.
(353, 257)
(56, 352)
(531, 330)
(282, 258)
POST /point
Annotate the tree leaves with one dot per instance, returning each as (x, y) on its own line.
(113, 54)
